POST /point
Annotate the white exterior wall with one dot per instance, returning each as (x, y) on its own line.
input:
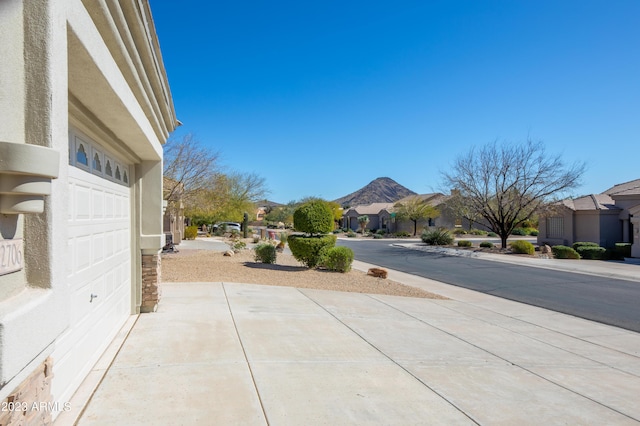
(67, 66)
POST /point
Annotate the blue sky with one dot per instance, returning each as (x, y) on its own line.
(320, 98)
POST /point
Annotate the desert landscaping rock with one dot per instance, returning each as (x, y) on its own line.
(210, 266)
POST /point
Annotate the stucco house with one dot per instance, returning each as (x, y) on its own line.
(383, 215)
(85, 108)
(607, 218)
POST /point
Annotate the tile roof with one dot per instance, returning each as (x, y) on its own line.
(591, 202)
(627, 188)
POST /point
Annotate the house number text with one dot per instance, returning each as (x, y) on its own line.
(10, 256)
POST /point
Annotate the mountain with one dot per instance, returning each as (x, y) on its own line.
(381, 190)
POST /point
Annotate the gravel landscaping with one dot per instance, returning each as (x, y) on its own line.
(212, 266)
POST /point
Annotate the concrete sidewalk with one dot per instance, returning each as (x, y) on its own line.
(222, 353)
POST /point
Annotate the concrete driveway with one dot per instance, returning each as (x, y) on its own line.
(224, 353)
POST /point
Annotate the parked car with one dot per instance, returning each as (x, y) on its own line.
(228, 226)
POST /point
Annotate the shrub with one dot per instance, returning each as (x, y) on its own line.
(492, 234)
(522, 247)
(351, 234)
(578, 244)
(592, 252)
(459, 231)
(402, 234)
(265, 253)
(478, 232)
(534, 232)
(377, 237)
(283, 237)
(564, 252)
(519, 231)
(622, 250)
(381, 231)
(486, 244)
(190, 232)
(437, 237)
(464, 243)
(314, 217)
(310, 249)
(338, 259)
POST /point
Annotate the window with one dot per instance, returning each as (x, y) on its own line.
(81, 154)
(118, 175)
(108, 170)
(555, 227)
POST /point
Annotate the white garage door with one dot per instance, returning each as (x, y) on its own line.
(99, 262)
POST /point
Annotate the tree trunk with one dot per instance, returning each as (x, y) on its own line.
(503, 239)
(415, 227)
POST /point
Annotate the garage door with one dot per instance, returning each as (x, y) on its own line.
(98, 263)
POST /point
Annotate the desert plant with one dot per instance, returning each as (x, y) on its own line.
(492, 234)
(519, 231)
(363, 221)
(265, 253)
(338, 259)
(486, 244)
(309, 250)
(314, 217)
(522, 247)
(464, 243)
(351, 234)
(402, 234)
(578, 244)
(190, 232)
(564, 252)
(591, 252)
(459, 231)
(437, 237)
(475, 231)
(381, 231)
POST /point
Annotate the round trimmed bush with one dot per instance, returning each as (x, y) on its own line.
(309, 250)
(522, 247)
(338, 259)
(464, 243)
(314, 217)
(437, 237)
(564, 252)
(486, 244)
(265, 253)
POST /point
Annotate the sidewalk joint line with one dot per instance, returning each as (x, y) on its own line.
(506, 360)
(389, 358)
(244, 353)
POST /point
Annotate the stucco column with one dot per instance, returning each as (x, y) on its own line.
(151, 238)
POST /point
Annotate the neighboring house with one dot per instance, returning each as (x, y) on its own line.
(85, 108)
(173, 218)
(383, 215)
(264, 207)
(606, 219)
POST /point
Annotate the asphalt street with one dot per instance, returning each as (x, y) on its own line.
(606, 300)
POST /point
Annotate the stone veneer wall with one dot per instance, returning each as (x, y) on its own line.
(30, 403)
(150, 283)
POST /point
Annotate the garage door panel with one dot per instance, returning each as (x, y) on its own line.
(99, 244)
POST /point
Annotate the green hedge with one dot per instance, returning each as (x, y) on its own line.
(310, 249)
(265, 253)
(622, 250)
(486, 244)
(522, 247)
(464, 243)
(564, 252)
(584, 244)
(338, 259)
(592, 252)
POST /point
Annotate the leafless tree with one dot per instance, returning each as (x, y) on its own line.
(507, 183)
(189, 167)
